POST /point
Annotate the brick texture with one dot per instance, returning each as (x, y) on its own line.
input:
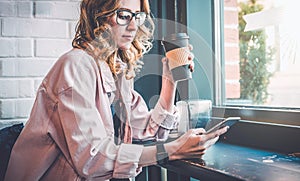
(33, 34)
(15, 67)
(231, 41)
(51, 47)
(231, 17)
(57, 10)
(16, 88)
(8, 9)
(230, 3)
(36, 28)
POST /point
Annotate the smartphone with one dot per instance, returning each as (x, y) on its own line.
(225, 122)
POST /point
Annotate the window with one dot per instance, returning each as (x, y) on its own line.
(261, 50)
(264, 36)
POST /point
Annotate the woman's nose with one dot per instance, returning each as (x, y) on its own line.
(132, 25)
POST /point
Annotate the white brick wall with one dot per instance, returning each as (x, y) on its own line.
(33, 34)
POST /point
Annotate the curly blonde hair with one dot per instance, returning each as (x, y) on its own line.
(93, 34)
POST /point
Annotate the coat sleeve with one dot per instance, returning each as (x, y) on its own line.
(85, 142)
(155, 123)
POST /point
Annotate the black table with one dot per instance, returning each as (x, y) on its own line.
(231, 162)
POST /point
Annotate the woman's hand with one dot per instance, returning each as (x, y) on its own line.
(191, 58)
(193, 144)
(168, 88)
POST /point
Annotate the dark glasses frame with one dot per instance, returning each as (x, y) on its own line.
(140, 17)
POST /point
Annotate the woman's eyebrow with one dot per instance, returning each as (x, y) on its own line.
(129, 10)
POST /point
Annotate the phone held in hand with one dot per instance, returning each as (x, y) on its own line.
(220, 124)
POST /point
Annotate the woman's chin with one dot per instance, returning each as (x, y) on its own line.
(125, 46)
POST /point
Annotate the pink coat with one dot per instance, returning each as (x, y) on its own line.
(70, 133)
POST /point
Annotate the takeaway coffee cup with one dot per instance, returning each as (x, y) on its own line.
(177, 52)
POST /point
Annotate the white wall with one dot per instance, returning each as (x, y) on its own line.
(33, 34)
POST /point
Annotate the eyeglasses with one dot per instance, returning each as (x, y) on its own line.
(124, 17)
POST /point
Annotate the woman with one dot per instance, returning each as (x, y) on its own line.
(71, 133)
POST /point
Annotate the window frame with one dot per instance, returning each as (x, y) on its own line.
(269, 115)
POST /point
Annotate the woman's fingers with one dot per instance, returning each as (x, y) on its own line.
(198, 131)
(164, 60)
(215, 134)
(192, 66)
(191, 58)
(206, 140)
(210, 142)
(196, 154)
(190, 47)
(195, 142)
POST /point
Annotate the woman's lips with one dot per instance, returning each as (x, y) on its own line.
(128, 37)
